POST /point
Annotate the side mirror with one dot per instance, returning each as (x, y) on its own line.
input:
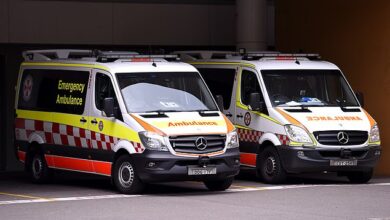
(360, 97)
(219, 100)
(108, 107)
(254, 102)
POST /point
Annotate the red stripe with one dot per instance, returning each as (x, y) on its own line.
(102, 137)
(102, 167)
(19, 123)
(77, 141)
(71, 163)
(248, 159)
(82, 133)
(93, 135)
(22, 156)
(69, 130)
(48, 138)
(64, 139)
(111, 139)
(99, 145)
(76, 164)
(38, 125)
(56, 128)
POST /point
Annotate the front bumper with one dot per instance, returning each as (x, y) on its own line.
(307, 160)
(169, 167)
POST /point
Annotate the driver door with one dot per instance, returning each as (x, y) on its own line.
(249, 123)
(102, 128)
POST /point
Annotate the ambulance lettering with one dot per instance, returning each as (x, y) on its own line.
(334, 118)
(193, 123)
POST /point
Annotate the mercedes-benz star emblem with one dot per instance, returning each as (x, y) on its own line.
(201, 143)
(342, 137)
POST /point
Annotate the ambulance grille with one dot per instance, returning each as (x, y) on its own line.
(186, 144)
(330, 137)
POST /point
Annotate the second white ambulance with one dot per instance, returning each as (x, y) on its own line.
(134, 118)
(294, 113)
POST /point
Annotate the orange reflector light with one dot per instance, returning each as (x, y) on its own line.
(141, 60)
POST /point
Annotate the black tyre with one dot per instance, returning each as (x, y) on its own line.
(219, 185)
(125, 177)
(269, 167)
(360, 177)
(38, 169)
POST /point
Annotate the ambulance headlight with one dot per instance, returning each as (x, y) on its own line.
(232, 139)
(153, 141)
(298, 134)
(374, 134)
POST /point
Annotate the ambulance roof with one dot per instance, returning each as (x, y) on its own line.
(114, 62)
(263, 60)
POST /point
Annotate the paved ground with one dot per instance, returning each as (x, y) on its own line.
(72, 196)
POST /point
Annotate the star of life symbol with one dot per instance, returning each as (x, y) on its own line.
(27, 88)
(247, 119)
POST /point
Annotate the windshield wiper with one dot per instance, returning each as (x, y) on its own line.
(342, 105)
(304, 108)
(157, 113)
(206, 112)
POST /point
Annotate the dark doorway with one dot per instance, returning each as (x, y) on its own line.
(2, 114)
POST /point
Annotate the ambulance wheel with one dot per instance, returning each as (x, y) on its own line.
(39, 171)
(360, 177)
(219, 185)
(125, 177)
(269, 167)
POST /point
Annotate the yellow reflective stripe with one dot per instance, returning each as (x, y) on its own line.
(114, 129)
(224, 63)
(95, 66)
(109, 127)
(259, 114)
(374, 143)
(243, 127)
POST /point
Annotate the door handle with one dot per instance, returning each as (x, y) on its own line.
(240, 116)
(94, 121)
(83, 120)
(229, 114)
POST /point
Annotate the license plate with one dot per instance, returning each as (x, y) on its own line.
(195, 171)
(343, 163)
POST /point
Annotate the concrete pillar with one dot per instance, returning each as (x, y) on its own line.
(252, 24)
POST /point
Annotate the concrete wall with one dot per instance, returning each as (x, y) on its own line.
(354, 34)
(117, 22)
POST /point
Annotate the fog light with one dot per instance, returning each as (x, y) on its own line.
(237, 161)
(151, 164)
(300, 153)
(377, 153)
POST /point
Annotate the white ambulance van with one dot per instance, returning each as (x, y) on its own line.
(134, 118)
(294, 113)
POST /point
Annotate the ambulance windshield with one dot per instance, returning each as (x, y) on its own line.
(308, 88)
(165, 92)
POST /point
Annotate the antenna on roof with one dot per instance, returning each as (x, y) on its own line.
(150, 56)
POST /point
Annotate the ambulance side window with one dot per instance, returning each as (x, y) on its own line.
(104, 89)
(220, 82)
(249, 84)
(52, 90)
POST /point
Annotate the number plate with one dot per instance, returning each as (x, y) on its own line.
(343, 163)
(195, 171)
